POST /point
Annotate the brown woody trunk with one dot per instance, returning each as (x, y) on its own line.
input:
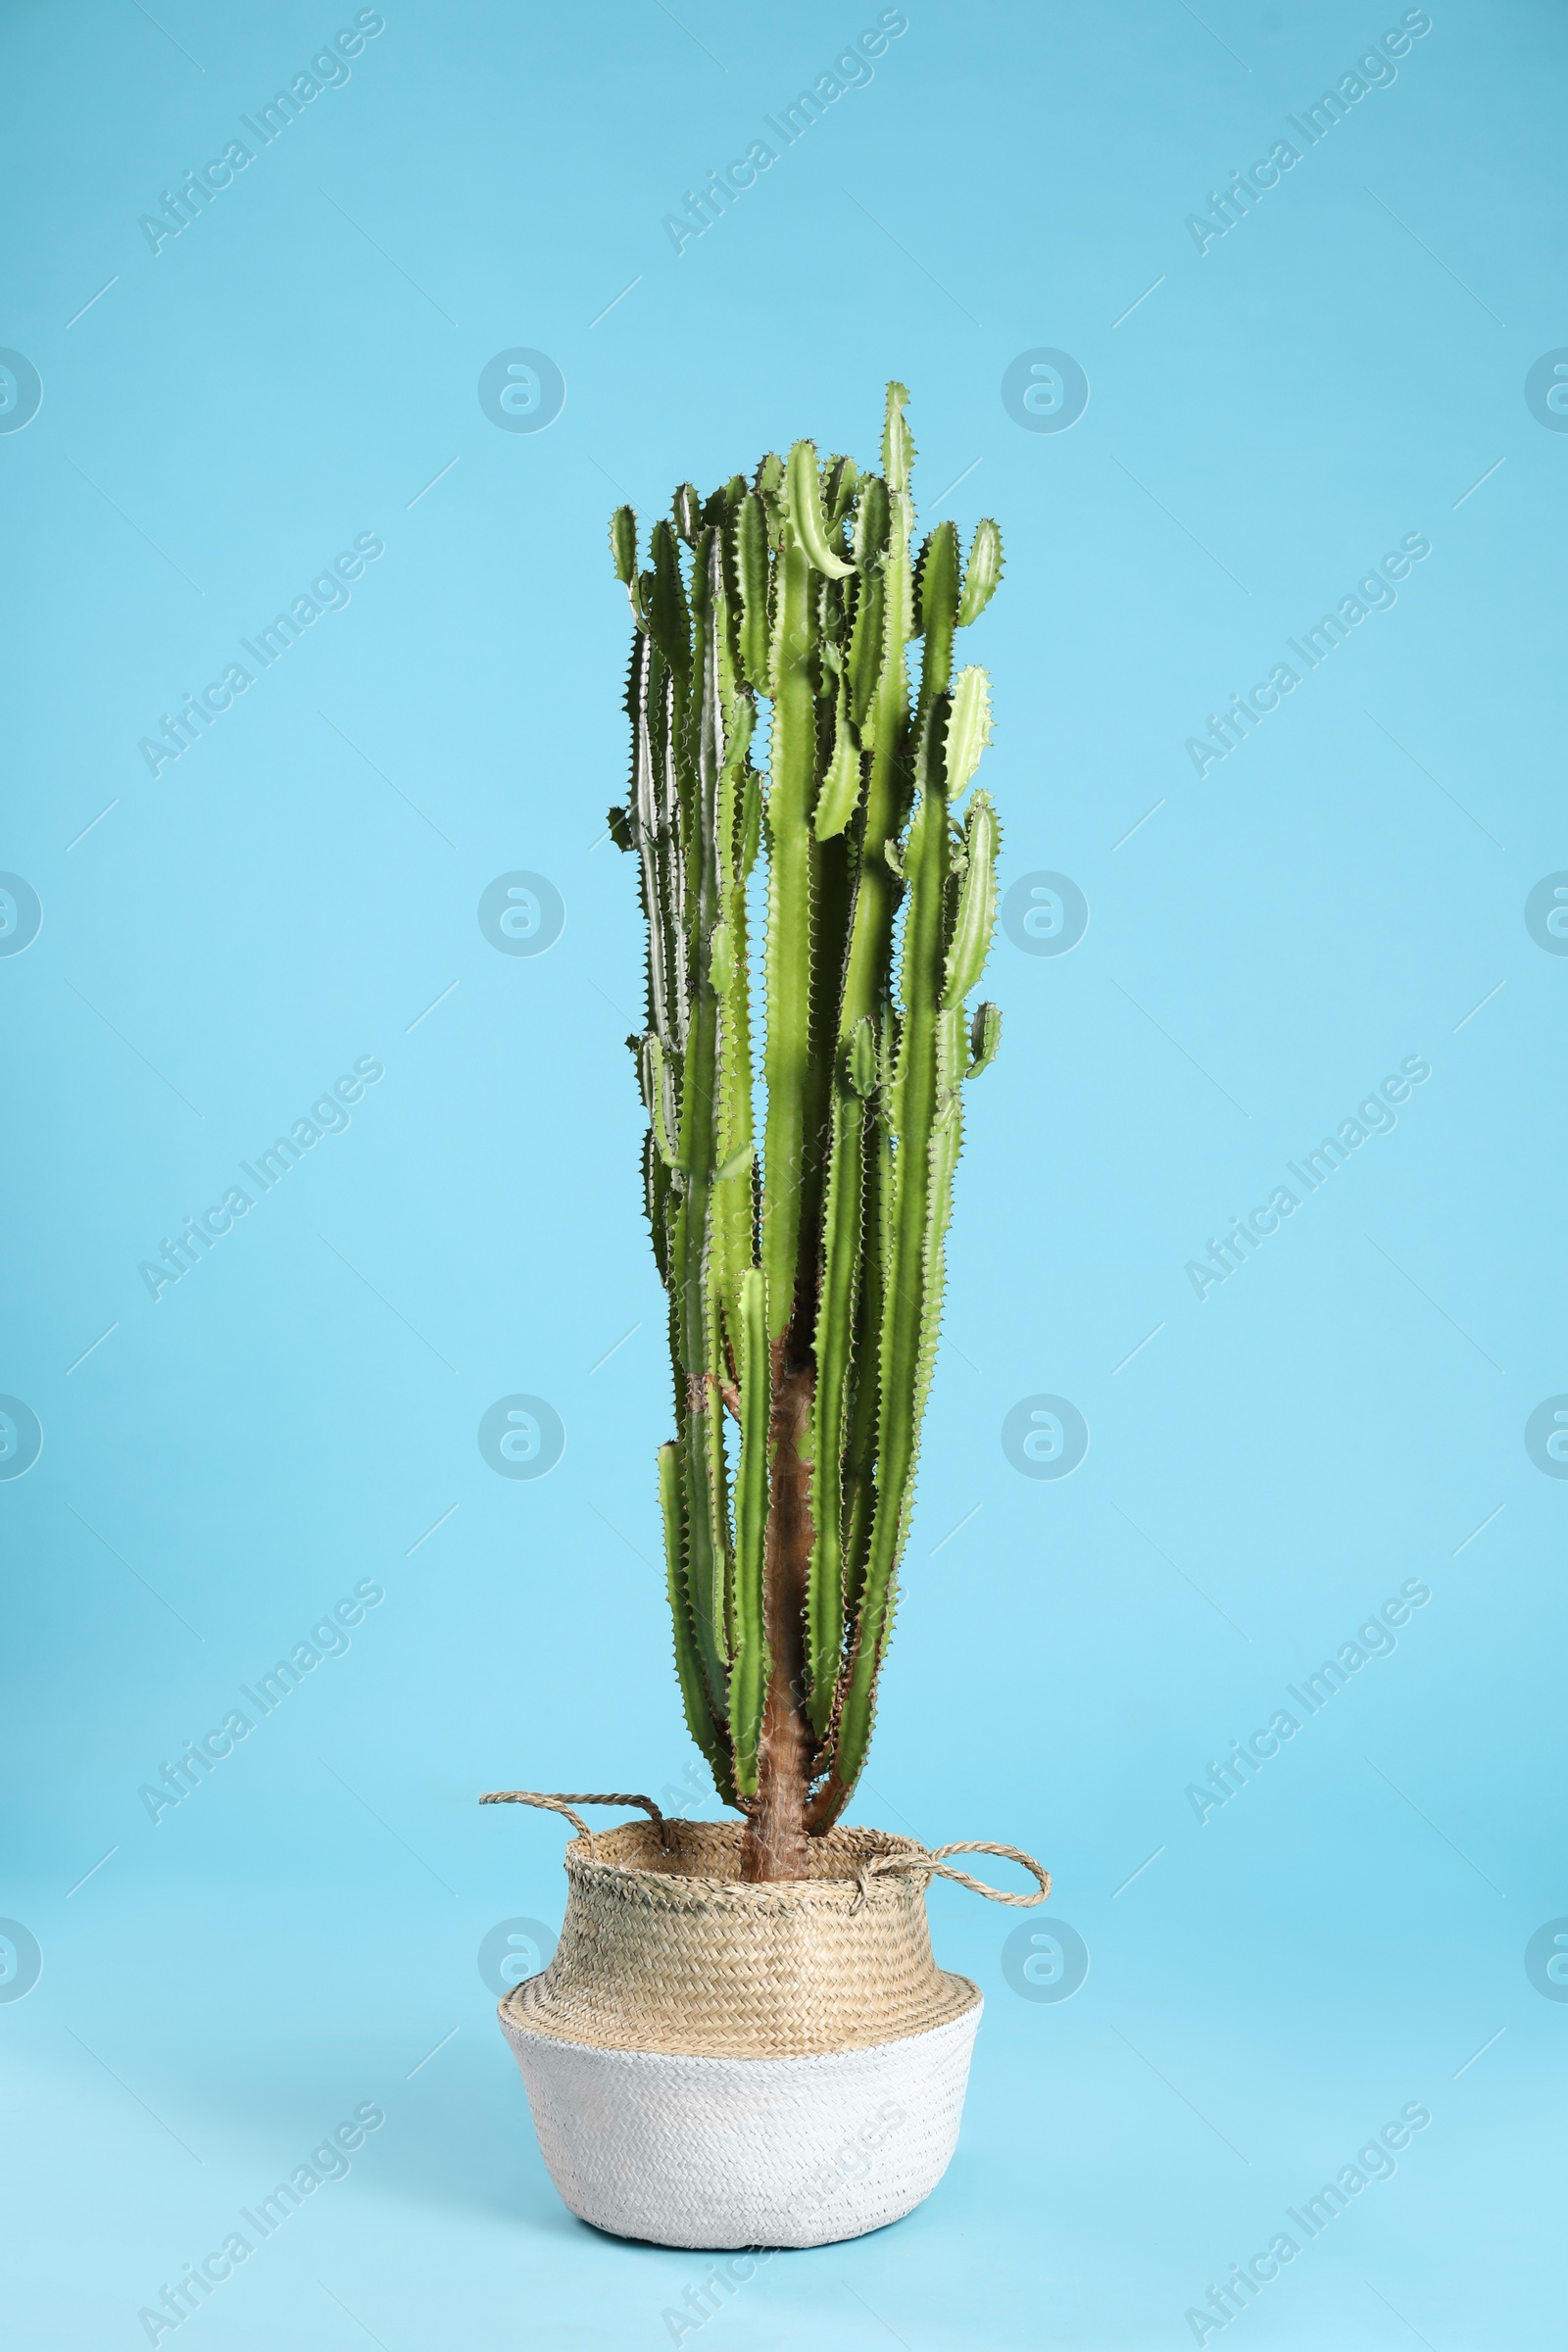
(776, 1829)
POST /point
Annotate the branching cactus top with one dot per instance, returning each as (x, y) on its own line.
(803, 1266)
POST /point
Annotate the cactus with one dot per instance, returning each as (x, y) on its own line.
(804, 1269)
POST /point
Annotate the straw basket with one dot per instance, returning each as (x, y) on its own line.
(713, 2063)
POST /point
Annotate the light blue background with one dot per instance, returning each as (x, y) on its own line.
(299, 887)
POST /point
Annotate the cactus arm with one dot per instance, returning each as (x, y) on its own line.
(871, 523)
(903, 1317)
(941, 964)
(623, 545)
(646, 822)
(786, 1057)
(732, 1178)
(878, 887)
(659, 1097)
(702, 1455)
(751, 571)
(860, 1439)
(843, 1430)
(981, 573)
(698, 1273)
(866, 643)
(668, 614)
(656, 1199)
(985, 1037)
(655, 826)
(728, 970)
(846, 1052)
(939, 611)
(702, 1438)
(886, 727)
(882, 539)
(898, 445)
(705, 1729)
(749, 1680)
(751, 821)
(841, 786)
(723, 502)
(947, 1142)
(968, 728)
(803, 494)
(834, 1339)
(623, 553)
(839, 488)
(976, 913)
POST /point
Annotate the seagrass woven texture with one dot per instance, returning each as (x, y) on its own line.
(726, 2152)
(667, 1950)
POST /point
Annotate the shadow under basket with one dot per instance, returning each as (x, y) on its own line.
(716, 2063)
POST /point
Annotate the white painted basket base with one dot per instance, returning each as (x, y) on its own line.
(732, 2152)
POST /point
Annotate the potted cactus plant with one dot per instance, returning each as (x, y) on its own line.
(744, 2038)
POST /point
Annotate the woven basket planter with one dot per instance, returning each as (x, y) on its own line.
(716, 2063)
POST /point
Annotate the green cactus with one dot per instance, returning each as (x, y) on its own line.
(804, 1282)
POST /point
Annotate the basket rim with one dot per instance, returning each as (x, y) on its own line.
(585, 1859)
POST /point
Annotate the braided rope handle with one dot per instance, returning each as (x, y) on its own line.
(935, 1865)
(564, 1805)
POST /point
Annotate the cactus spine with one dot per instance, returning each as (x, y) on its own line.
(805, 1283)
